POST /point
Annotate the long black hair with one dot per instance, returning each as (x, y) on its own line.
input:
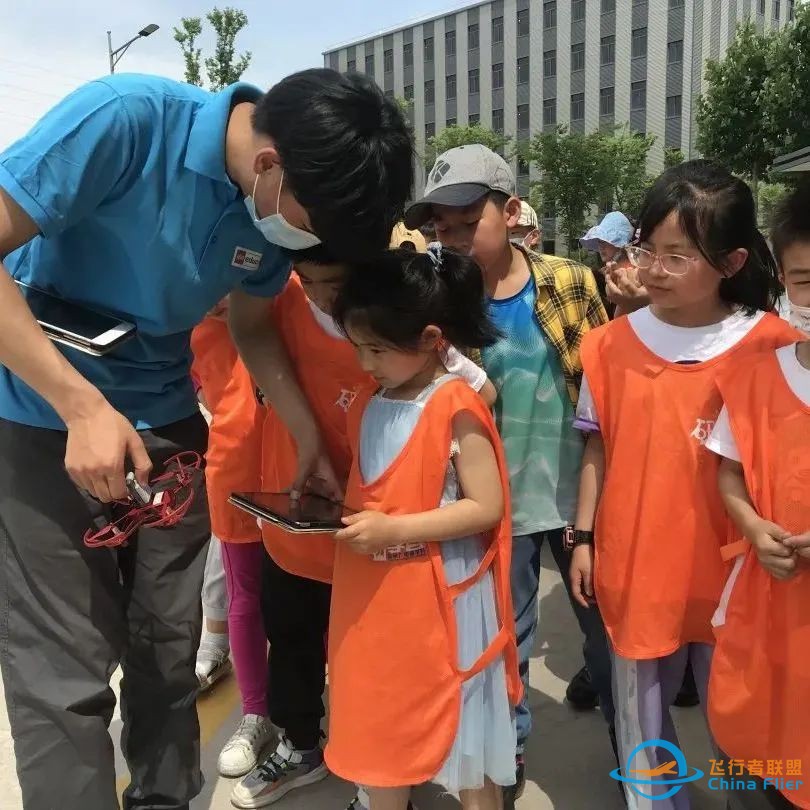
(401, 292)
(716, 211)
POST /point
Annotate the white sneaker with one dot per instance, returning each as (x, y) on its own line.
(241, 753)
(212, 664)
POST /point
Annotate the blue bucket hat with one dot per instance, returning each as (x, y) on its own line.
(615, 229)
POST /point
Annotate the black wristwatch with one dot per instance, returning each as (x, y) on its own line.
(575, 537)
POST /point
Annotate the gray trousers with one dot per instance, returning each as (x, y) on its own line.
(69, 615)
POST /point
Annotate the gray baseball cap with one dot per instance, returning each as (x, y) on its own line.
(460, 177)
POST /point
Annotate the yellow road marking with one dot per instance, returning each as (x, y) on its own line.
(213, 709)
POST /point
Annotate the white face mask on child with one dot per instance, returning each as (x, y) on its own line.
(799, 317)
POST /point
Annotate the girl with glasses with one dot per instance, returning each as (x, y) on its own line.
(650, 523)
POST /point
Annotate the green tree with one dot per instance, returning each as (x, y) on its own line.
(673, 157)
(734, 127)
(224, 68)
(186, 36)
(786, 96)
(572, 167)
(769, 196)
(623, 180)
(462, 136)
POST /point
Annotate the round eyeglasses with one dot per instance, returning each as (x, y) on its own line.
(671, 263)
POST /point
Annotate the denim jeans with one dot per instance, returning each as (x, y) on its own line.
(525, 587)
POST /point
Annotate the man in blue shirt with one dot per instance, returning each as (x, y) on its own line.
(150, 200)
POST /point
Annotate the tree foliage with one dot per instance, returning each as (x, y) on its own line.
(224, 67)
(734, 127)
(462, 136)
(186, 36)
(624, 175)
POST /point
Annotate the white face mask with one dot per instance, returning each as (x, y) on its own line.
(799, 317)
(275, 227)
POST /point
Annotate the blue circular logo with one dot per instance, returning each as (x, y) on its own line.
(672, 775)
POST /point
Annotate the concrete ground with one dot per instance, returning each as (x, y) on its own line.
(568, 760)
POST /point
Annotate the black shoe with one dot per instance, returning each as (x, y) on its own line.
(580, 693)
(355, 804)
(512, 793)
(688, 696)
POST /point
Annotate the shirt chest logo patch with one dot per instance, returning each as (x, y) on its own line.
(244, 259)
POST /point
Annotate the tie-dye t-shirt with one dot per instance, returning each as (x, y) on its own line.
(535, 417)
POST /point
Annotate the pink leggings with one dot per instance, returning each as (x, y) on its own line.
(243, 574)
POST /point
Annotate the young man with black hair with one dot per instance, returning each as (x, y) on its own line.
(152, 200)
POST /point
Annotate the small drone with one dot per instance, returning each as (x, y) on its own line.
(161, 505)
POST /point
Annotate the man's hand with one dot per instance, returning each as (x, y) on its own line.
(315, 472)
(581, 574)
(369, 532)
(98, 443)
(774, 554)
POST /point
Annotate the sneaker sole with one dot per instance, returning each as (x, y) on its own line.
(216, 675)
(238, 774)
(311, 778)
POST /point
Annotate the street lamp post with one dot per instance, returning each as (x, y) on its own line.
(115, 55)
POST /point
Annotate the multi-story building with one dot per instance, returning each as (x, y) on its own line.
(522, 66)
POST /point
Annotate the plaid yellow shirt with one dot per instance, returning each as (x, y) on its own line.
(568, 305)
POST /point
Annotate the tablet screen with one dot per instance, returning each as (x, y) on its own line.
(309, 511)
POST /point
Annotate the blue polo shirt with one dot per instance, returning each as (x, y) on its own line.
(127, 184)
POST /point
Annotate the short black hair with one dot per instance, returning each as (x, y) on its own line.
(790, 220)
(716, 212)
(347, 154)
(400, 293)
(318, 254)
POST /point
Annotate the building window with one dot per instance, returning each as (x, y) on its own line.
(607, 101)
(791, 10)
(578, 106)
(523, 117)
(351, 66)
(497, 120)
(389, 94)
(549, 112)
(639, 46)
(578, 10)
(608, 6)
(676, 4)
(450, 43)
(776, 9)
(674, 51)
(762, 7)
(430, 131)
(497, 30)
(497, 76)
(474, 119)
(407, 54)
(450, 84)
(523, 70)
(674, 105)
(523, 23)
(608, 50)
(578, 57)
(451, 122)
(473, 37)
(370, 65)
(638, 96)
(550, 14)
(388, 61)
(408, 92)
(430, 92)
(522, 167)
(474, 81)
(428, 49)
(550, 64)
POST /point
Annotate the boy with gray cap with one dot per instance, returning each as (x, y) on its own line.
(542, 305)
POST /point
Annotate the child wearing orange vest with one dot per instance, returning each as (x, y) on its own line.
(760, 680)
(235, 425)
(650, 521)
(422, 655)
(297, 573)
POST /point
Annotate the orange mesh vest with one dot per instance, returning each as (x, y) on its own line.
(394, 681)
(760, 681)
(214, 357)
(331, 378)
(660, 521)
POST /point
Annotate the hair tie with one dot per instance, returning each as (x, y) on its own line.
(434, 251)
